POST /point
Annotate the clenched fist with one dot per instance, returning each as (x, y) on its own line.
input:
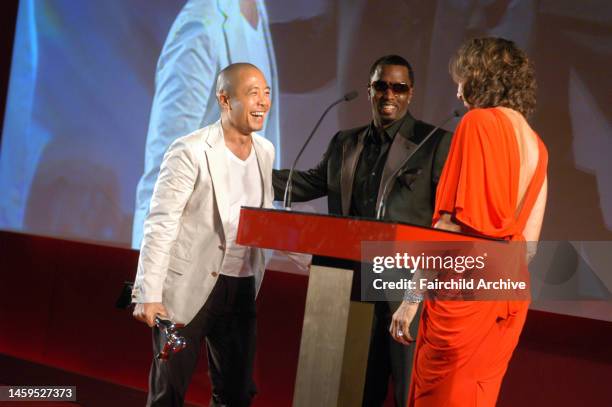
(146, 312)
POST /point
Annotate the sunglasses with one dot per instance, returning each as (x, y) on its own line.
(397, 88)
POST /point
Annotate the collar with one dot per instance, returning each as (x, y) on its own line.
(389, 132)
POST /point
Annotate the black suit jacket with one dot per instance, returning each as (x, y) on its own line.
(411, 196)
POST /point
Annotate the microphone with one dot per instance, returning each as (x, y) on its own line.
(289, 186)
(382, 204)
(350, 96)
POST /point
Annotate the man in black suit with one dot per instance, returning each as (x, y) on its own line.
(353, 173)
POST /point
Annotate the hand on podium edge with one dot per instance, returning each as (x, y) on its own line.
(147, 311)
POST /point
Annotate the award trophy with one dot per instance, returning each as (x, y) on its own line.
(174, 342)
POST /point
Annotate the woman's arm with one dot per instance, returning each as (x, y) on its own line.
(403, 316)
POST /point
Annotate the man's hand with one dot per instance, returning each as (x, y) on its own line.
(146, 312)
(400, 324)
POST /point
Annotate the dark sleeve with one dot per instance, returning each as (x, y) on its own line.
(307, 185)
(440, 156)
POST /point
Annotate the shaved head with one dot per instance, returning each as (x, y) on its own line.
(244, 98)
(228, 77)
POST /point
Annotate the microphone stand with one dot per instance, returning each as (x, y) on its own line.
(289, 186)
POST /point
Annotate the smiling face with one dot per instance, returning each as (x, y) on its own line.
(248, 101)
(389, 105)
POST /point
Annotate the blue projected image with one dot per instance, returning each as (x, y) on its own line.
(77, 105)
(99, 89)
(82, 92)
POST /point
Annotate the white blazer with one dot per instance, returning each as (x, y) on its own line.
(184, 233)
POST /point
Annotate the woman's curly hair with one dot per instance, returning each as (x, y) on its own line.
(495, 72)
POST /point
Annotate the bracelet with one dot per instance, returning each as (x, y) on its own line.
(412, 297)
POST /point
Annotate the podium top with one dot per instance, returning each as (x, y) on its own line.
(329, 235)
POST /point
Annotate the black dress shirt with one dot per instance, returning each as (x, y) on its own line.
(370, 167)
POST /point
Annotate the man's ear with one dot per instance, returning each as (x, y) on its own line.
(410, 93)
(224, 101)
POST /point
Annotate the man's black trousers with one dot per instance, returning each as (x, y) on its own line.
(388, 358)
(227, 325)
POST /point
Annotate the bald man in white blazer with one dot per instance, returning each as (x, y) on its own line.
(190, 268)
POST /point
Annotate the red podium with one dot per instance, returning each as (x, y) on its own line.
(336, 331)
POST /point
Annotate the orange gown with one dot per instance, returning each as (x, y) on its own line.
(463, 347)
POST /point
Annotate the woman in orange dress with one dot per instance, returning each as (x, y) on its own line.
(493, 184)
